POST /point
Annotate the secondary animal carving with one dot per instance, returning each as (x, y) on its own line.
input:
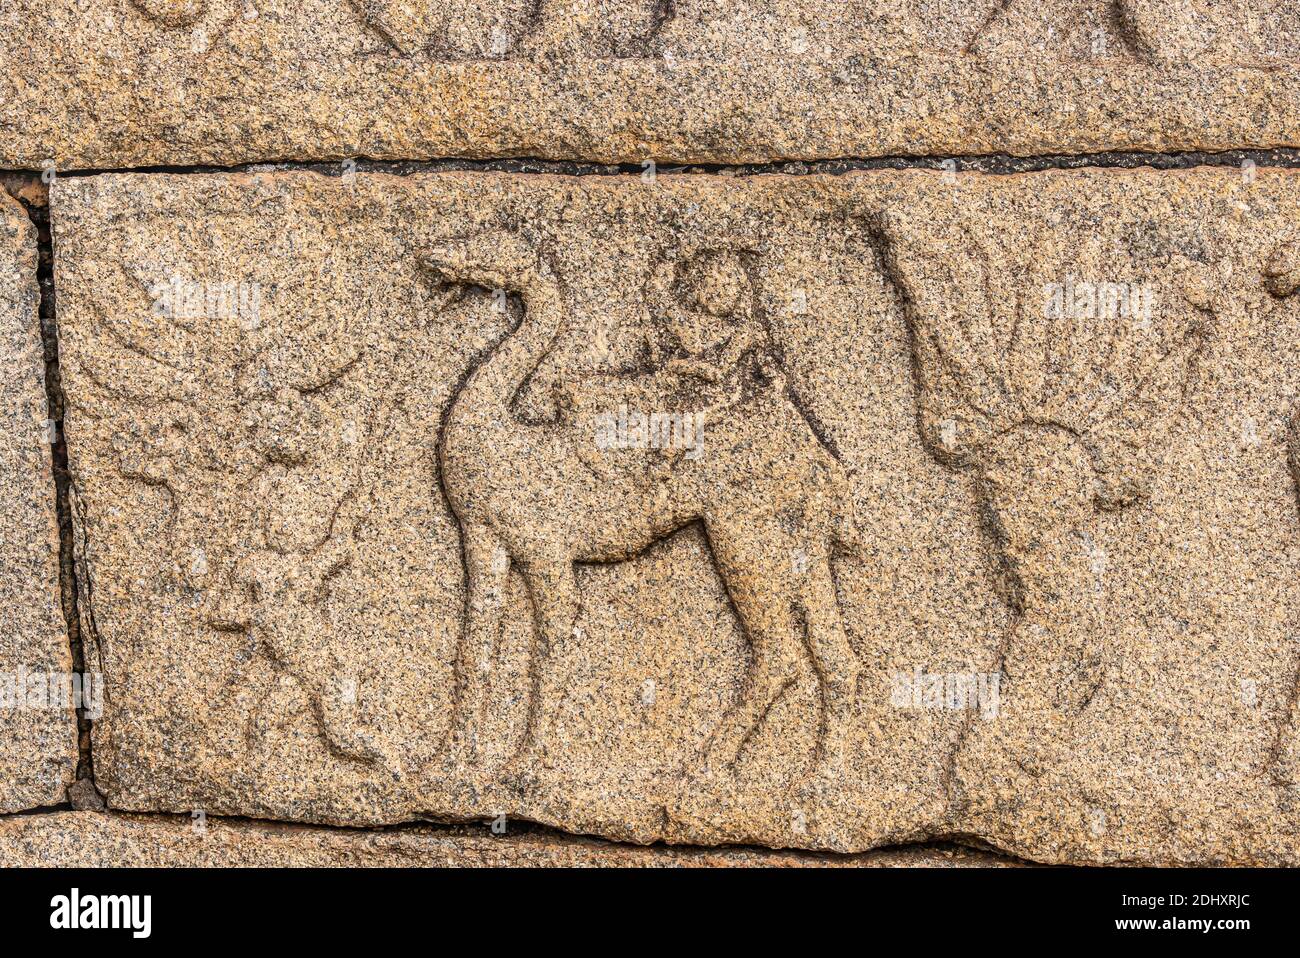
(1058, 399)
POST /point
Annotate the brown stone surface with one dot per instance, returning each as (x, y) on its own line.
(103, 84)
(361, 541)
(38, 736)
(89, 840)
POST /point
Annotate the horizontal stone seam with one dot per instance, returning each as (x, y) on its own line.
(517, 827)
(994, 163)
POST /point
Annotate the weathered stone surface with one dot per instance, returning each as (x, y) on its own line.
(38, 731)
(120, 83)
(89, 840)
(363, 538)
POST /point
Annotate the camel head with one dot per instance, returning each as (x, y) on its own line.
(490, 259)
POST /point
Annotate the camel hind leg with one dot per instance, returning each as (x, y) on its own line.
(836, 663)
(755, 569)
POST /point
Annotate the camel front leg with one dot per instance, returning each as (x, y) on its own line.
(486, 567)
(554, 595)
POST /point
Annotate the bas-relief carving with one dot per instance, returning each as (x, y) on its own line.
(262, 508)
(258, 537)
(539, 497)
(1170, 33)
(1059, 401)
(1053, 423)
(526, 495)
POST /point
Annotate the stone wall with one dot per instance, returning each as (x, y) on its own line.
(723, 427)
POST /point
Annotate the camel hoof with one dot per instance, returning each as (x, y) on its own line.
(539, 785)
(813, 790)
(359, 747)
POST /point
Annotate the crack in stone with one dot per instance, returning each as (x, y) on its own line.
(34, 197)
(993, 163)
(520, 827)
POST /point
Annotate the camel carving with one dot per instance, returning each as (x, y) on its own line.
(772, 499)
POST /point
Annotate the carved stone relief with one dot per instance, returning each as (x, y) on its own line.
(820, 511)
(1059, 403)
(114, 84)
(771, 541)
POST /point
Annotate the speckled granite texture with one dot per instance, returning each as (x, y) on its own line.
(99, 84)
(806, 512)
